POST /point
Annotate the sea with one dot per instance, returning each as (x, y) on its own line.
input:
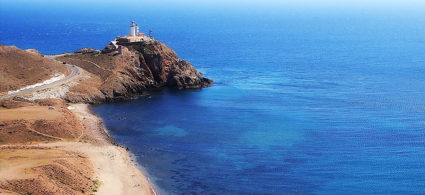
(305, 101)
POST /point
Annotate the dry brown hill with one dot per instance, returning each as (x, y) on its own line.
(26, 168)
(23, 123)
(19, 68)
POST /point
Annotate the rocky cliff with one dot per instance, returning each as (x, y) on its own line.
(130, 70)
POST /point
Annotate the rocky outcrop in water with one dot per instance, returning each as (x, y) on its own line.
(132, 69)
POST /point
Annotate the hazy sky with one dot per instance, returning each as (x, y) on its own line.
(309, 3)
(299, 6)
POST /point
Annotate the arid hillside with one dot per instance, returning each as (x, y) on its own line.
(26, 168)
(19, 68)
(22, 122)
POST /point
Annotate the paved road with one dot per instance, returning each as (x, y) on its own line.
(76, 71)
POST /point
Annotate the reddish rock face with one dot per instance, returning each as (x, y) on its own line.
(166, 68)
(134, 69)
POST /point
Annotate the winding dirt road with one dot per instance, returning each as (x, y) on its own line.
(75, 71)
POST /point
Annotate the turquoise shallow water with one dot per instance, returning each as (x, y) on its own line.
(317, 103)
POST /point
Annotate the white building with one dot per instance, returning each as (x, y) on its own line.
(134, 28)
(132, 37)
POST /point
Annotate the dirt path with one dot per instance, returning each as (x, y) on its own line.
(92, 63)
(43, 134)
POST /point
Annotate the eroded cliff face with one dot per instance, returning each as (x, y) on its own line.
(132, 70)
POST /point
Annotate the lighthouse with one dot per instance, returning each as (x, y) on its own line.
(133, 29)
(133, 37)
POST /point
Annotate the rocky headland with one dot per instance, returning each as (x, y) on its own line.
(133, 69)
(51, 143)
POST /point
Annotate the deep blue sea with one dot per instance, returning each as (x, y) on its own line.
(304, 101)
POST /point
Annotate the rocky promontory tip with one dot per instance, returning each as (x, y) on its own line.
(125, 69)
(165, 67)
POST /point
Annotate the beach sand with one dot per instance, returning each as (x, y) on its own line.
(116, 171)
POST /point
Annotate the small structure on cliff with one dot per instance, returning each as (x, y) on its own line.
(133, 37)
(134, 29)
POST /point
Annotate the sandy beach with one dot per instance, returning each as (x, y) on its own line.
(112, 163)
(83, 160)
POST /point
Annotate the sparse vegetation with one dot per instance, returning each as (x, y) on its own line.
(96, 183)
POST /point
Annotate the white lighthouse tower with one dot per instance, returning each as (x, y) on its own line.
(133, 28)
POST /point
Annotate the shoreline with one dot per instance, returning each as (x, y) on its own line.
(155, 189)
(132, 175)
(80, 155)
(130, 155)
